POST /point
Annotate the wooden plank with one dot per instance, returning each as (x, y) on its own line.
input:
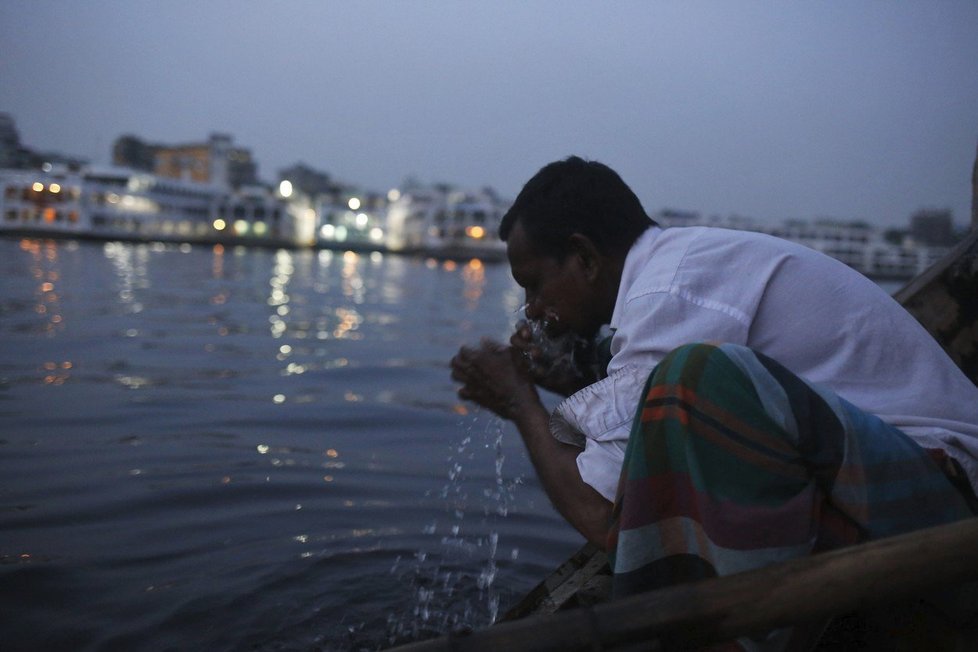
(583, 579)
(944, 299)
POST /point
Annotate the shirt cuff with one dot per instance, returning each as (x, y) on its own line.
(600, 466)
(603, 411)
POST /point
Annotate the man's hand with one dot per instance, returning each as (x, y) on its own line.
(494, 376)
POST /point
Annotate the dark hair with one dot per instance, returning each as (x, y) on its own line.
(577, 196)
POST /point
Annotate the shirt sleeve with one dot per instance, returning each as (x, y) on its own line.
(599, 417)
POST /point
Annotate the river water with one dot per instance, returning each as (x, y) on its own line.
(251, 449)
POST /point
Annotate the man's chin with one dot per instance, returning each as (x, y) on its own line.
(582, 333)
(568, 335)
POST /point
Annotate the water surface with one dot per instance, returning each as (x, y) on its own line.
(251, 449)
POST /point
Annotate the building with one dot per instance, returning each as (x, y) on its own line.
(933, 228)
(130, 152)
(11, 153)
(14, 155)
(215, 161)
(309, 181)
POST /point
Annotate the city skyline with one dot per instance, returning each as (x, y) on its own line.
(853, 111)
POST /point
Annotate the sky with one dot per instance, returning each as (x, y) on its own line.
(850, 109)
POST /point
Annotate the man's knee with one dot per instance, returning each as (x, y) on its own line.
(689, 363)
(724, 386)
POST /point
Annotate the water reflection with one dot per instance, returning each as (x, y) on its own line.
(278, 297)
(474, 275)
(130, 264)
(45, 269)
(217, 268)
(352, 280)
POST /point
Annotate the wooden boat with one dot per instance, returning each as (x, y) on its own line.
(914, 592)
(899, 574)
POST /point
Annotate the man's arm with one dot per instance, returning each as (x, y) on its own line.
(492, 376)
(556, 466)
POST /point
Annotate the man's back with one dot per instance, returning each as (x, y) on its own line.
(822, 320)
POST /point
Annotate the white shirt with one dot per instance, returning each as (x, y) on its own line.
(820, 319)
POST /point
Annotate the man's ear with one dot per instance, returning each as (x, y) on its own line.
(587, 253)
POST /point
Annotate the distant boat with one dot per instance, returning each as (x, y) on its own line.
(857, 244)
(446, 224)
(122, 204)
(119, 203)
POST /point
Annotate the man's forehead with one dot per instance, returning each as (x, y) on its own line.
(519, 249)
(520, 245)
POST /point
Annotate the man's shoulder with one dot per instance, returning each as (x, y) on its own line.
(665, 256)
(712, 235)
(708, 250)
(654, 263)
(708, 264)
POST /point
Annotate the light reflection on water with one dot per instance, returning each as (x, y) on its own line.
(224, 448)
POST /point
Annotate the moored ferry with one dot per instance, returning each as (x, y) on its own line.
(449, 223)
(856, 243)
(119, 203)
(47, 202)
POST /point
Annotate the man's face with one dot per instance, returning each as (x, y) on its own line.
(557, 293)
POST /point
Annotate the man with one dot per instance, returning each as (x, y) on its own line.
(820, 414)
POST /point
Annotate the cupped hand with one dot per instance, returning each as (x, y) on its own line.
(493, 375)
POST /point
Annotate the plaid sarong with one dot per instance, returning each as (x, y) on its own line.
(734, 463)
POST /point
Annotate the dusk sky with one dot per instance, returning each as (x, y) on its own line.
(847, 109)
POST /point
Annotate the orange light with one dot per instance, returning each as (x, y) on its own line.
(49, 214)
(476, 232)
